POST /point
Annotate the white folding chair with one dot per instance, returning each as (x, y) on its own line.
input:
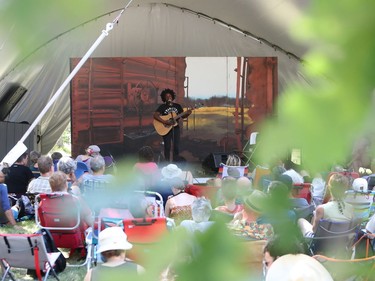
(26, 251)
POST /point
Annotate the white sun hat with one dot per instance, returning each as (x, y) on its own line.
(171, 171)
(297, 267)
(113, 238)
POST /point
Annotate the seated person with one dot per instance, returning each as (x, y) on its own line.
(56, 156)
(178, 206)
(229, 196)
(112, 247)
(360, 198)
(335, 210)
(186, 175)
(318, 189)
(248, 222)
(201, 211)
(34, 156)
(6, 213)
(168, 173)
(146, 167)
(90, 152)
(68, 166)
(278, 246)
(58, 182)
(41, 184)
(97, 178)
(294, 200)
(18, 176)
(278, 211)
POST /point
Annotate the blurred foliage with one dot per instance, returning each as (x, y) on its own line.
(326, 119)
(63, 144)
(24, 32)
(323, 120)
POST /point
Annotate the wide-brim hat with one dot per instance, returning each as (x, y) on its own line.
(297, 267)
(113, 238)
(256, 201)
(171, 171)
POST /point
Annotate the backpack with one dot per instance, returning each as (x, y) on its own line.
(25, 207)
(60, 263)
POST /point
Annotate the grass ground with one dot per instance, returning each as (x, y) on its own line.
(69, 274)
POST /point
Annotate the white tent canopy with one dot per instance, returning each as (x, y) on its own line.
(188, 28)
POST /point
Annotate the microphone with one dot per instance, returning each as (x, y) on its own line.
(170, 102)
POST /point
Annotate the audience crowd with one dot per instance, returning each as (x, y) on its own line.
(266, 208)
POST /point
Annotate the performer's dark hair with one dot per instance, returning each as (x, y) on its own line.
(167, 91)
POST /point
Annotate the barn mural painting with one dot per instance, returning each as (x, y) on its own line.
(113, 100)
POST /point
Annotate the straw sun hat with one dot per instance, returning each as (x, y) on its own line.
(113, 238)
(297, 267)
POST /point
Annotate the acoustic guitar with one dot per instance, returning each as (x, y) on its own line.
(163, 129)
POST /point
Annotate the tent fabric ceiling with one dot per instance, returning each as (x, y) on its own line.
(211, 28)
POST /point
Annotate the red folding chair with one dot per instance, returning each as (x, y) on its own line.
(60, 213)
(144, 234)
(302, 190)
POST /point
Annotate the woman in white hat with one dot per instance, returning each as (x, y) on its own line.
(112, 246)
(178, 206)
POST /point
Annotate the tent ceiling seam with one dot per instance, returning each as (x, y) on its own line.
(200, 15)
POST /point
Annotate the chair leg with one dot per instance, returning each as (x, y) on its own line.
(53, 273)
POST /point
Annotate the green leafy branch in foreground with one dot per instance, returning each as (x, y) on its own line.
(326, 118)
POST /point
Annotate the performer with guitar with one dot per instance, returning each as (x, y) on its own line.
(167, 117)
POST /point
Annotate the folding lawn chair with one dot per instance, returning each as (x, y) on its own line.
(60, 213)
(144, 234)
(352, 269)
(242, 171)
(26, 251)
(334, 238)
(362, 203)
(303, 190)
(96, 194)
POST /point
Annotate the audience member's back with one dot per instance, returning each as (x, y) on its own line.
(19, 176)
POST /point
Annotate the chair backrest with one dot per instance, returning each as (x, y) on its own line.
(348, 269)
(153, 198)
(258, 174)
(81, 169)
(303, 190)
(144, 234)
(362, 203)
(145, 230)
(95, 193)
(334, 238)
(207, 191)
(18, 250)
(61, 215)
(240, 171)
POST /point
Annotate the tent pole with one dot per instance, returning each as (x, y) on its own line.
(20, 148)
